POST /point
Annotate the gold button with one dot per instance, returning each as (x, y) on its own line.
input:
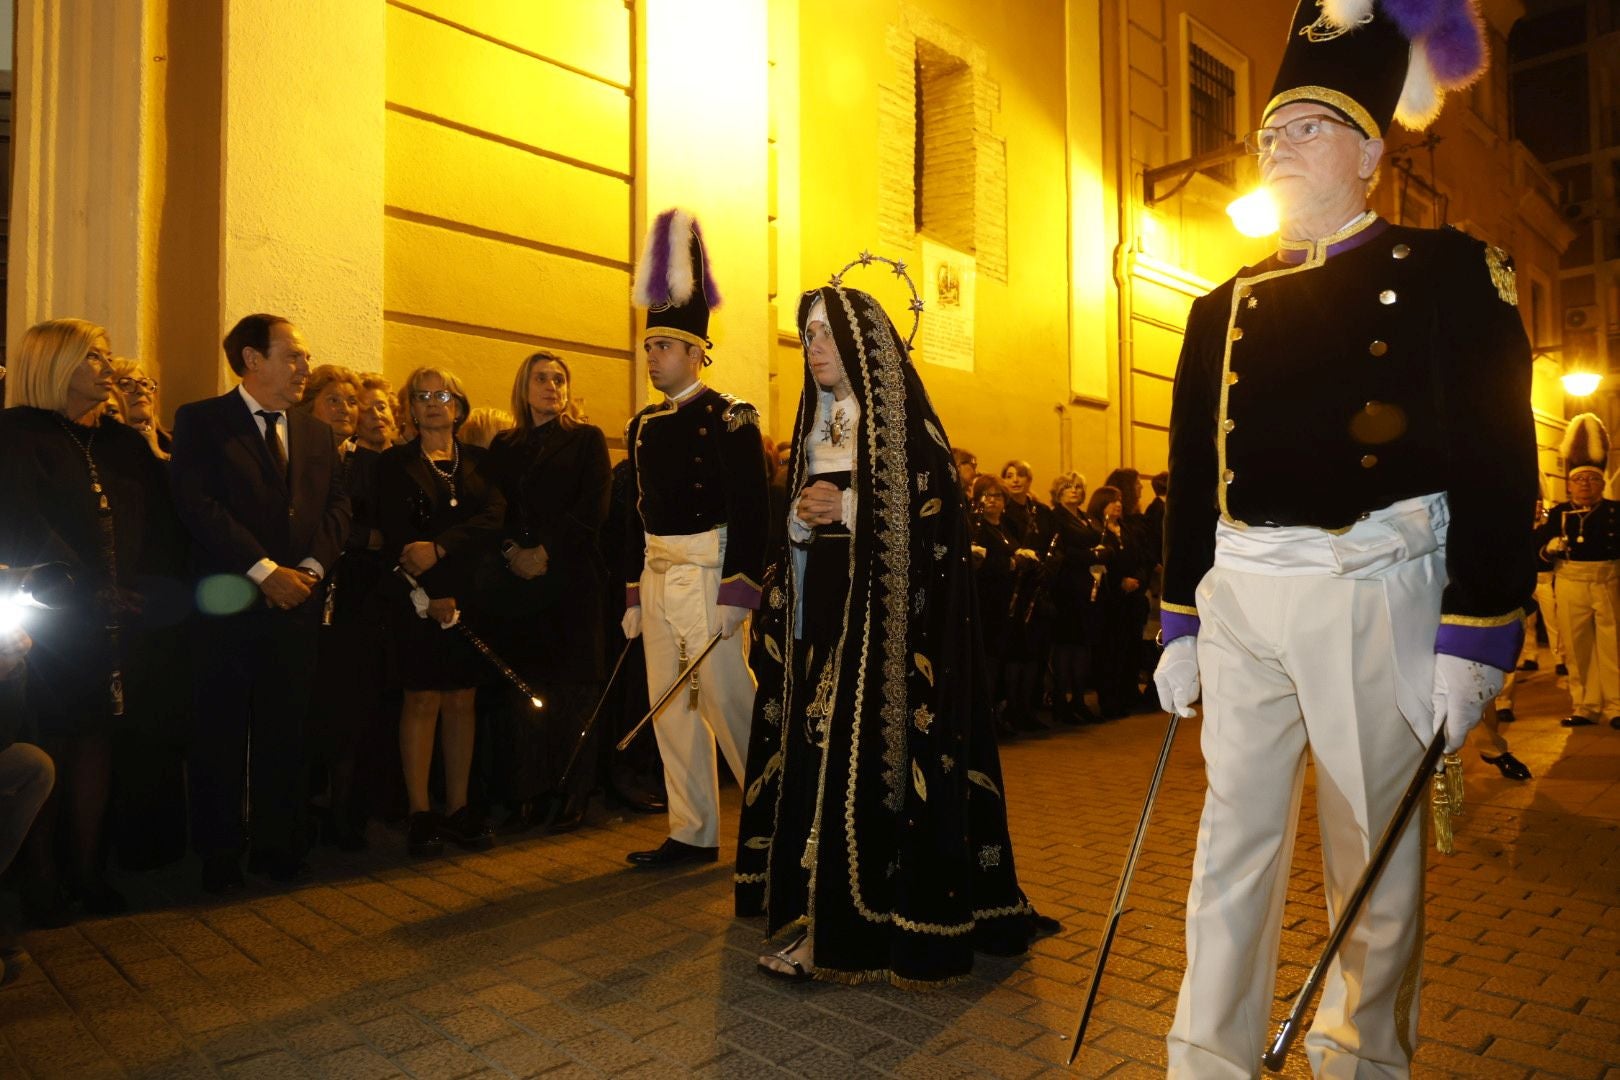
(1378, 348)
(1231, 378)
(697, 461)
(1228, 424)
(1228, 476)
(1401, 251)
(1244, 291)
(1368, 460)
(1237, 333)
(1387, 297)
(703, 431)
(699, 487)
(1372, 407)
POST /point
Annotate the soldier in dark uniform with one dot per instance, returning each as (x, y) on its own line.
(696, 546)
(1581, 537)
(1350, 429)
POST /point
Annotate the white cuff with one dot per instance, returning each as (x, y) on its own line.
(849, 508)
(261, 570)
(314, 567)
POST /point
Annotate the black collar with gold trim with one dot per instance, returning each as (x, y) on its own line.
(1365, 228)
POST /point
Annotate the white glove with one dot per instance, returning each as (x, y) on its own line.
(631, 623)
(1176, 677)
(731, 618)
(1462, 688)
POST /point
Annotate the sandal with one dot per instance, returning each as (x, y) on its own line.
(799, 974)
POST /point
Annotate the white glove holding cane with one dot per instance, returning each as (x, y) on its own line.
(631, 623)
(1176, 677)
(1462, 688)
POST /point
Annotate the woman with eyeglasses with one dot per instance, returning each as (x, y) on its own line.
(136, 396)
(82, 489)
(439, 516)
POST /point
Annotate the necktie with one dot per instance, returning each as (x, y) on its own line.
(272, 439)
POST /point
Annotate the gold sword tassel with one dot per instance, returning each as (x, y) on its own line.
(1446, 803)
(692, 687)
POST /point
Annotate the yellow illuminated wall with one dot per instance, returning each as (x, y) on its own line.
(508, 222)
(850, 51)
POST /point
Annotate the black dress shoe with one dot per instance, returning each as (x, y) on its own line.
(425, 837)
(1614, 722)
(1505, 716)
(569, 818)
(281, 867)
(524, 816)
(1561, 669)
(1529, 665)
(467, 828)
(672, 853)
(222, 874)
(1511, 767)
(1577, 721)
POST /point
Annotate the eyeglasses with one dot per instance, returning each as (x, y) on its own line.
(1300, 130)
(130, 385)
(443, 397)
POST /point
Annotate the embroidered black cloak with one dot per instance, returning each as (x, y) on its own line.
(891, 847)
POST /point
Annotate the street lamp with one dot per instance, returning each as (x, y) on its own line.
(1254, 214)
(1581, 383)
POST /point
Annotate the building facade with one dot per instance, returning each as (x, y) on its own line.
(458, 182)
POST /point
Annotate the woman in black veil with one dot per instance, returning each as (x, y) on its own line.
(873, 821)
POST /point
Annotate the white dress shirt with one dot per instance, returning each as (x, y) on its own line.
(265, 567)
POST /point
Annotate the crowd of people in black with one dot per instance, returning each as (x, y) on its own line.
(1065, 592)
(317, 603)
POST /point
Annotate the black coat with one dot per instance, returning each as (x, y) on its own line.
(413, 504)
(1335, 378)
(51, 516)
(556, 482)
(238, 507)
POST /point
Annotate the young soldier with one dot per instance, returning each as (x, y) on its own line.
(697, 540)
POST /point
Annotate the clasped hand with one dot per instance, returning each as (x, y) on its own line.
(419, 557)
(821, 503)
(285, 588)
(528, 563)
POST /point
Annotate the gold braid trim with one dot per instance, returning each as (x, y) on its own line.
(884, 975)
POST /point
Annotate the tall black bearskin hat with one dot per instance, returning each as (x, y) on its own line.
(673, 280)
(1377, 60)
(1586, 445)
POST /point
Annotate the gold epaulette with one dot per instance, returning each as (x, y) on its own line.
(1502, 275)
(738, 412)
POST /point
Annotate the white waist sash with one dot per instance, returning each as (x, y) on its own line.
(1402, 546)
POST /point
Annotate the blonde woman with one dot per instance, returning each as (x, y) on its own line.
(439, 516)
(82, 489)
(484, 424)
(553, 469)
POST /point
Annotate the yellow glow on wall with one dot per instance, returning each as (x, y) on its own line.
(1254, 214)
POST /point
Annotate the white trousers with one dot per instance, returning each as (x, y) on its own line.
(1289, 663)
(1547, 604)
(1588, 598)
(678, 612)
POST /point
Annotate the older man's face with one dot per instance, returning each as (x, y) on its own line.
(1329, 170)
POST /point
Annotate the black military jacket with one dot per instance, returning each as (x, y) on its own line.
(697, 466)
(1593, 536)
(1343, 375)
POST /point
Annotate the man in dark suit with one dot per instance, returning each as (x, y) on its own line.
(259, 486)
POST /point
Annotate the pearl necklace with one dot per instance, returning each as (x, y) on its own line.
(449, 478)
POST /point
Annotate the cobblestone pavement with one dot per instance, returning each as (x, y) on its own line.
(550, 957)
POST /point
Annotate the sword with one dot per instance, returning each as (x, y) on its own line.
(489, 654)
(1123, 888)
(579, 743)
(663, 699)
(1277, 1052)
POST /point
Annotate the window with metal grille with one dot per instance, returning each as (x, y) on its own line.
(1212, 107)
